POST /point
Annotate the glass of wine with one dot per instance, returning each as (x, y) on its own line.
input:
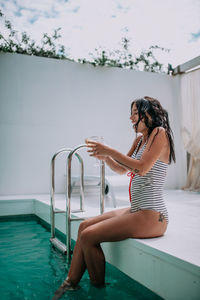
(95, 138)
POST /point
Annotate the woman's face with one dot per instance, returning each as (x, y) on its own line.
(134, 119)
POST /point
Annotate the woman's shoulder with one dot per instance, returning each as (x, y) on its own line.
(137, 140)
(159, 133)
(135, 143)
(138, 137)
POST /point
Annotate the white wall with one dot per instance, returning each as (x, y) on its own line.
(47, 104)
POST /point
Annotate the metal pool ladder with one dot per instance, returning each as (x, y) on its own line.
(66, 248)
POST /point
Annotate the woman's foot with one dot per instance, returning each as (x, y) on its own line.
(67, 285)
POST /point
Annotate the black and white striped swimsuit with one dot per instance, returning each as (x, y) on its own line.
(147, 191)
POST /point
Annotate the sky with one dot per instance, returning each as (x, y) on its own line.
(90, 24)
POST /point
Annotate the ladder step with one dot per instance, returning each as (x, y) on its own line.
(77, 210)
(59, 245)
(77, 219)
(64, 211)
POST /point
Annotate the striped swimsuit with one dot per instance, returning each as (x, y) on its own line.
(147, 191)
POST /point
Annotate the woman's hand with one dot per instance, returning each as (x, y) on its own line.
(98, 150)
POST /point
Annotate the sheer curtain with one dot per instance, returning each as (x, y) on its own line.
(190, 127)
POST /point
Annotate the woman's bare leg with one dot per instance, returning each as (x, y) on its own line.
(142, 224)
(78, 266)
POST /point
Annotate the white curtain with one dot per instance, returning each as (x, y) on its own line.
(190, 127)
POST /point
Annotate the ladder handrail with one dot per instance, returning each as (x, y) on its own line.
(52, 192)
(53, 240)
(68, 195)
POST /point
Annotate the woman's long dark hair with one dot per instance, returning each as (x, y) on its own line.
(159, 117)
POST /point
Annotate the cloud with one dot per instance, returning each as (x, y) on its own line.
(195, 36)
(92, 23)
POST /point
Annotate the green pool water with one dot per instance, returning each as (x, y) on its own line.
(31, 269)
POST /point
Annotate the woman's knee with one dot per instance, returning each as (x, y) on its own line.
(86, 236)
(88, 222)
(83, 225)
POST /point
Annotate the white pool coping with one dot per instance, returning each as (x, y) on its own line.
(182, 238)
(177, 252)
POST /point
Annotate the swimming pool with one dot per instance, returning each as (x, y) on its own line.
(32, 269)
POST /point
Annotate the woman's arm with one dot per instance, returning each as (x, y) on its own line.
(116, 166)
(157, 141)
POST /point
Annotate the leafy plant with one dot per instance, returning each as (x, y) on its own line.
(21, 43)
(122, 58)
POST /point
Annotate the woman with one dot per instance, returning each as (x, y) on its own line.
(148, 158)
